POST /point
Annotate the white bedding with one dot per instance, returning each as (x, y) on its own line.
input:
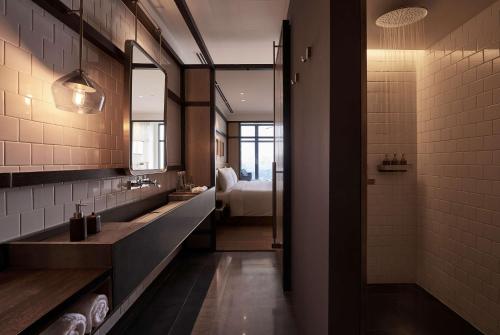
(249, 198)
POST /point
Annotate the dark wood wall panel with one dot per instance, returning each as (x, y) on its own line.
(198, 147)
(347, 170)
(197, 87)
(199, 123)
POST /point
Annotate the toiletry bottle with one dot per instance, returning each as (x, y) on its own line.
(386, 160)
(78, 225)
(93, 223)
(395, 160)
(403, 159)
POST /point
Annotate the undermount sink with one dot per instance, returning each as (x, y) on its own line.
(181, 196)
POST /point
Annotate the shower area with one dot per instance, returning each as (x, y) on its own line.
(433, 167)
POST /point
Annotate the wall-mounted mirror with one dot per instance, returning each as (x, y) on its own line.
(147, 82)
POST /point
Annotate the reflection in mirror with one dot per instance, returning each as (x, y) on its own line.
(148, 86)
(148, 145)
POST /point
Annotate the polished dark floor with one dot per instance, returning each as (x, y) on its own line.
(246, 297)
(409, 310)
(172, 302)
(212, 294)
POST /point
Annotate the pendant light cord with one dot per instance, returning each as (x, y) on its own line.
(135, 21)
(81, 34)
(160, 37)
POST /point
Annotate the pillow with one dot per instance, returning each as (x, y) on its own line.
(226, 179)
(217, 180)
(233, 174)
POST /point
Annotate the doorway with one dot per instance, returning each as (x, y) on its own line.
(245, 124)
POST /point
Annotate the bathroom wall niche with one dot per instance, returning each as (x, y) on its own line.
(147, 84)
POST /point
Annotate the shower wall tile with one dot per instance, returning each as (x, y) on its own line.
(392, 126)
(458, 171)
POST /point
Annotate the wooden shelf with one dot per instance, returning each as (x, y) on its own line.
(393, 168)
(19, 179)
(33, 298)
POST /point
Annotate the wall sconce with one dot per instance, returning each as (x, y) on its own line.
(76, 92)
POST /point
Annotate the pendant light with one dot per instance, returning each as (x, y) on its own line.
(76, 92)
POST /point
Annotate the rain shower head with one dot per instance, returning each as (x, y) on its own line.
(401, 17)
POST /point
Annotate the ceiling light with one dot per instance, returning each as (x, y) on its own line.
(76, 92)
(243, 100)
(242, 93)
(141, 96)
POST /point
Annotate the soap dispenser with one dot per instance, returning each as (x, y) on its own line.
(395, 160)
(386, 160)
(78, 225)
(403, 160)
(93, 223)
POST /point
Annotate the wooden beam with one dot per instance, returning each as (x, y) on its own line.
(193, 28)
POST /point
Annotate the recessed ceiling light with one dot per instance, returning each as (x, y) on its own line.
(141, 96)
(242, 93)
(243, 100)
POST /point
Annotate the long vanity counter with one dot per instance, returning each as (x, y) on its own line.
(123, 254)
(112, 232)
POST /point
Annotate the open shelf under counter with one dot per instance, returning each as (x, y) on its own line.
(33, 299)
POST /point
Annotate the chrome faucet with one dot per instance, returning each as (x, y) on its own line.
(142, 181)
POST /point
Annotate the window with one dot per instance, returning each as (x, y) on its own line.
(257, 150)
(148, 145)
(161, 142)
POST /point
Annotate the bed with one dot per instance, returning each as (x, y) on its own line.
(248, 198)
(245, 198)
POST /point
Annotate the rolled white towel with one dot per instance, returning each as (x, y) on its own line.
(95, 308)
(68, 324)
(199, 189)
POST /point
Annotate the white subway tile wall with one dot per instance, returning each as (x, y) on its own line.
(32, 209)
(35, 50)
(458, 144)
(392, 118)
(32, 125)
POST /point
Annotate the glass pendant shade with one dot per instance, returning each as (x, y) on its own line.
(76, 92)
